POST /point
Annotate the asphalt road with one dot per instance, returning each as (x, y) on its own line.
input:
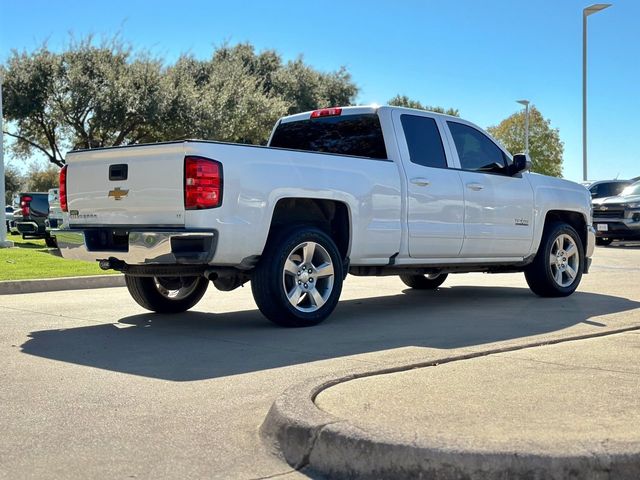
(91, 386)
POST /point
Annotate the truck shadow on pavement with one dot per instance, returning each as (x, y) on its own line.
(198, 345)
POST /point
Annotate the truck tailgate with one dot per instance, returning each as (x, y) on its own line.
(127, 186)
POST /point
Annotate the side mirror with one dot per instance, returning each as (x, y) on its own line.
(521, 163)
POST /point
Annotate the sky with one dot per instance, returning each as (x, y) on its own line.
(476, 56)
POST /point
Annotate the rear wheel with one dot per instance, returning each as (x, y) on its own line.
(299, 278)
(166, 294)
(557, 268)
(424, 282)
(602, 241)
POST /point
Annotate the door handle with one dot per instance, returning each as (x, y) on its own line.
(475, 186)
(421, 182)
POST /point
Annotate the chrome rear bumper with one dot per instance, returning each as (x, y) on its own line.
(138, 247)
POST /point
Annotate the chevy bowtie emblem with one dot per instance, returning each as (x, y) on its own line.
(603, 207)
(118, 193)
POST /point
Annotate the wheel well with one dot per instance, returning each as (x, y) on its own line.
(575, 219)
(329, 215)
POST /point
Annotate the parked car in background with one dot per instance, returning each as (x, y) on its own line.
(618, 217)
(8, 212)
(55, 218)
(607, 188)
(31, 216)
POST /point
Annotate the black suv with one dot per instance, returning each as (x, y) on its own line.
(30, 217)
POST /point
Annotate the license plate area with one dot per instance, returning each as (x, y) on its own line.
(106, 240)
(602, 227)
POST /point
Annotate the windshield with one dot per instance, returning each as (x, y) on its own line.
(631, 190)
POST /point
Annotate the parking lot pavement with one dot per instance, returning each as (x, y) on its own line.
(94, 387)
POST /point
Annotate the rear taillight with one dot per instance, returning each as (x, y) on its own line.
(25, 205)
(326, 112)
(63, 189)
(202, 183)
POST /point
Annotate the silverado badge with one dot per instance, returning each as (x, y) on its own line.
(118, 193)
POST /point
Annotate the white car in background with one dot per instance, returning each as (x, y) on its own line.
(8, 212)
(56, 215)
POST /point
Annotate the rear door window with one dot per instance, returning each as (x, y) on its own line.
(424, 141)
(357, 135)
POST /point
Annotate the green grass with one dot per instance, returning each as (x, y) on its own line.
(31, 259)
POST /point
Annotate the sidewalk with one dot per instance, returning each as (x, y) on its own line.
(11, 287)
(569, 410)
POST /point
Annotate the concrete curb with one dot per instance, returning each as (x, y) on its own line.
(54, 284)
(309, 438)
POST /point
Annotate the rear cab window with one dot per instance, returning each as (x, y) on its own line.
(357, 135)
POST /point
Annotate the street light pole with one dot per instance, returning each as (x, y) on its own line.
(526, 124)
(3, 214)
(595, 8)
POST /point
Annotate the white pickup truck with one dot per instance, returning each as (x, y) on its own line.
(359, 190)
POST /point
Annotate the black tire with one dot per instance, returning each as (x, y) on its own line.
(51, 242)
(541, 275)
(151, 292)
(424, 282)
(603, 242)
(269, 282)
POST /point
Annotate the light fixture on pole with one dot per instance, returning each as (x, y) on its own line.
(526, 124)
(3, 214)
(595, 8)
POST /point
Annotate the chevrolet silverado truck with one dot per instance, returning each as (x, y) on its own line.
(618, 217)
(359, 190)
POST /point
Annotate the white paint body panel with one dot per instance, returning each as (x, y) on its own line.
(389, 215)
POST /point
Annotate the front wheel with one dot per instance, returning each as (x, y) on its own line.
(166, 294)
(299, 278)
(424, 282)
(557, 267)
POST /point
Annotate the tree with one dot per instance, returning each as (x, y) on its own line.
(95, 95)
(545, 146)
(13, 183)
(221, 98)
(87, 96)
(404, 101)
(41, 178)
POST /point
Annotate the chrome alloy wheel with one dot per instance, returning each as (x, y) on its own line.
(308, 276)
(564, 260)
(174, 288)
